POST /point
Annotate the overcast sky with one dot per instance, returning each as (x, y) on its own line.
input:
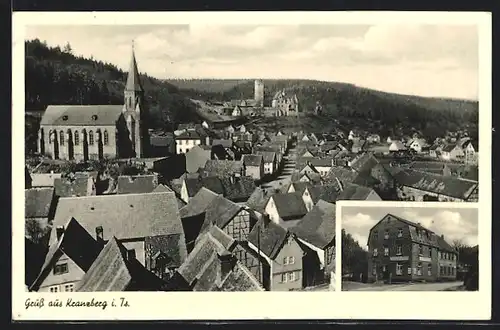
(428, 60)
(453, 223)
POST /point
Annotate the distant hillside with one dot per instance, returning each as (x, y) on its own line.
(56, 76)
(395, 112)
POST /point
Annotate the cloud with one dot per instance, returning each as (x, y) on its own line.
(426, 60)
(454, 224)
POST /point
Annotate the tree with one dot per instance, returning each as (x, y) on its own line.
(35, 231)
(68, 49)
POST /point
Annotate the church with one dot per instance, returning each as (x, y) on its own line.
(83, 132)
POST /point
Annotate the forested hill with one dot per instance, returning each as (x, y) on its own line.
(56, 76)
(341, 100)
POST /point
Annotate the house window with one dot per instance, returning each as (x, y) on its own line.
(441, 270)
(291, 276)
(420, 250)
(61, 138)
(284, 278)
(60, 269)
(69, 287)
(77, 138)
(399, 250)
(375, 235)
(291, 260)
(419, 269)
(430, 252)
(285, 261)
(386, 234)
(54, 288)
(374, 271)
(409, 270)
(106, 138)
(375, 252)
(399, 269)
(429, 270)
(400, 232)
(91, 138)
(386, 251)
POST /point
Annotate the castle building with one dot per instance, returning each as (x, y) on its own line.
(285, 104)
(82, 132)
(259, 93)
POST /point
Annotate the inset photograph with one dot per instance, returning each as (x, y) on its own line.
(409, 248)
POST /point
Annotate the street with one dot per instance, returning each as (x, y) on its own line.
(407, 287)
(286, 173)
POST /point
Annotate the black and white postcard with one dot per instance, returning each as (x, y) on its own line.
(169, 156)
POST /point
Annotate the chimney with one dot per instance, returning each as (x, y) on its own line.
(442, 236)
(226, 264)
(59, 232)
(266, 219)
(99, 234)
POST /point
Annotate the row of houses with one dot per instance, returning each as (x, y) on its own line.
(390, 183)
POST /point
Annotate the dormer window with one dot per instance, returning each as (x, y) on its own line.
(65, 117)
(94, 117)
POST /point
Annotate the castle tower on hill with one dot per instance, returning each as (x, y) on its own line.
(259, 92)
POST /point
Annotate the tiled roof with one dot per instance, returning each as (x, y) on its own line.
(222, 168)
(364, 163)
(118, 214)
(439, 184)
(238, 189)
(290, 206)
(258, 200)
(172, 245)
(271, 238)
(38, 202)
(226, 143)
(78, 186)
(76, 243)
(221, 211)
(344, 174)
(328, 193)
(252, 160)
(315, 161)
(109, 272)
(198, 203)
(112, 271)
(81, 115)
(200, 270)
(162, 188)
(136, 184)
(268, 156)
(213, 183)
(300, 186)
(196, 158)
(318, 226)
(354, 192)
(443, 245)
(449, 147)
(44, 179)
(188, 135)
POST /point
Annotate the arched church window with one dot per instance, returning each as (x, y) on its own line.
(61, 138)
(106, 138)
(91, 138)
(77, 138)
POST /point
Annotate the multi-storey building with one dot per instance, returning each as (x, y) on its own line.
(403, 251)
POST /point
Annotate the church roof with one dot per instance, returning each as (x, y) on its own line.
(81, 115)
(133, 81)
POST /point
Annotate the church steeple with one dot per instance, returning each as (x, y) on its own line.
(133, 80)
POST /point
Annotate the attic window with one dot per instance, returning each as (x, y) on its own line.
(92, 208)
(94, 117)
(131, 205)
(65, 117)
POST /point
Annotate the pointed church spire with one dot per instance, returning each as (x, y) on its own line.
(133, 81)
